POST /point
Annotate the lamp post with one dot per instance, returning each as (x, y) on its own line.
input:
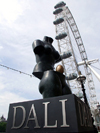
(81, 79)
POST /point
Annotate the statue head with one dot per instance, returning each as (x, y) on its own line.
(60, 69)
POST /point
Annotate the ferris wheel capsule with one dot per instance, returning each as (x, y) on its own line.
(58, 21)
(61, 36)
(58, 11)
(60, 4)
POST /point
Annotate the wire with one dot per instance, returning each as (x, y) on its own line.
(16, 70)
(95, 67)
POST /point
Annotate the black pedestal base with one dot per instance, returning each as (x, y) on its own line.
(63, 114)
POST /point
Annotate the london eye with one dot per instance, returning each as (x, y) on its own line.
(65, 28)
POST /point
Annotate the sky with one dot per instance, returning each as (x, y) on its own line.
(22, 22)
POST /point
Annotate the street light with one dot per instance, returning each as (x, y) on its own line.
(81, 79)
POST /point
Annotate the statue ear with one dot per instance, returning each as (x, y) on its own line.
(38, 47)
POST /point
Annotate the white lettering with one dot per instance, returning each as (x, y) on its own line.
(46, 117)
(64, 113)
(14, 116)
(35, 117)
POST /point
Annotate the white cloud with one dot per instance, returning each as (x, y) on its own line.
(9, 11)
(6, 98)
(1, 86)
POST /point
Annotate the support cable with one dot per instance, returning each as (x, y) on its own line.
(95, 67)
(16, 70)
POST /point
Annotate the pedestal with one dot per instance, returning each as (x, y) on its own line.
(63, 114)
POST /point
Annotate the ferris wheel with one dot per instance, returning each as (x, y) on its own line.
(64, 24)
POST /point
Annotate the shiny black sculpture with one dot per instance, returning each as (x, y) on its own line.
(52, 82)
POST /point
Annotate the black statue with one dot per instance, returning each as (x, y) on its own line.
(52, 82)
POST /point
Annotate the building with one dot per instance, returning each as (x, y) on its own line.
(2, 119)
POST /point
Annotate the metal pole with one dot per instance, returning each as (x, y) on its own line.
(95, 73)
(84, 94)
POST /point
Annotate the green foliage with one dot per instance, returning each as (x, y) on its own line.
(3, 126)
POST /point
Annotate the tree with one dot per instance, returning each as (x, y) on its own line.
(3, 126)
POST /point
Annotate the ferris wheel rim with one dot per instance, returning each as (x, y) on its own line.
(83, 53)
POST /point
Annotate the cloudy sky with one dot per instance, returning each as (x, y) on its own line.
(22, 22)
